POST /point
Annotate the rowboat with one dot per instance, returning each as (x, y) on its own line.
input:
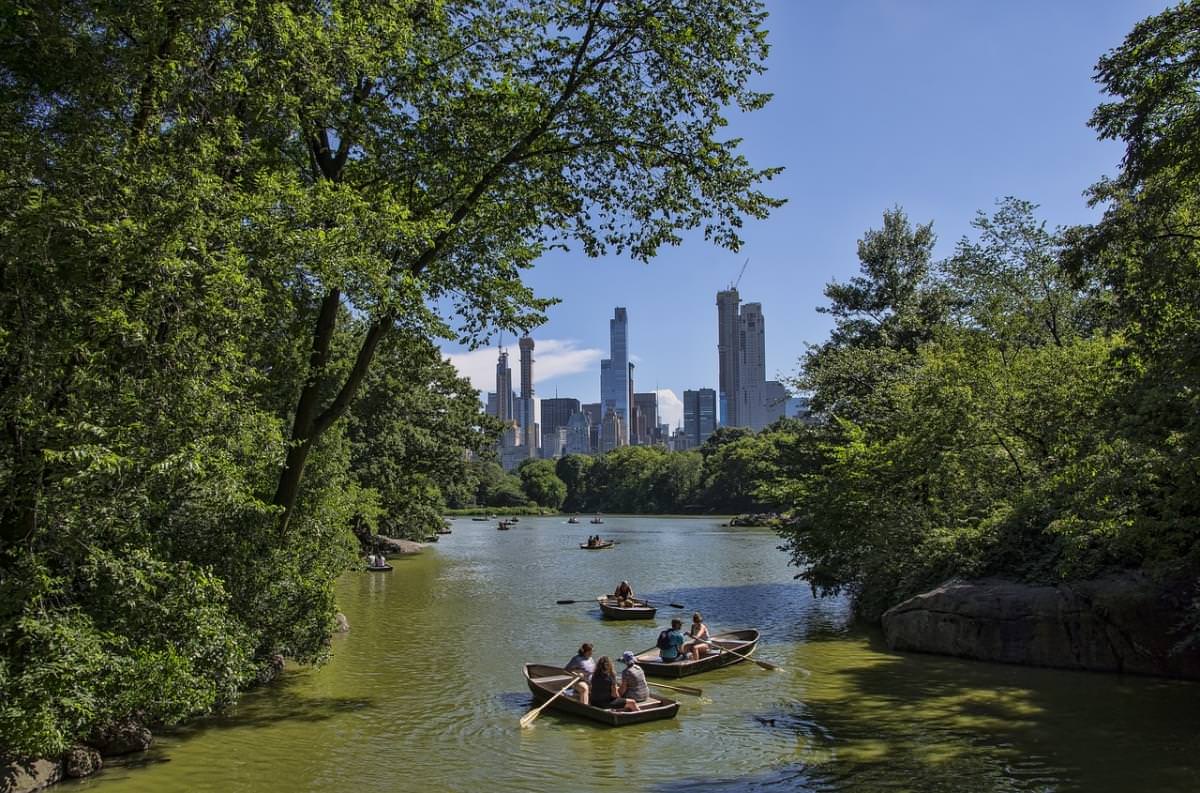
(383, 568)
(743, 642)
(545, 681)
(481, 519)
(600, 546)
(572, 520)
(641, 610)
(596, 519)
(502, 526)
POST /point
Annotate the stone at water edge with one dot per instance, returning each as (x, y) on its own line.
(393, 547)
(1122, 623)
(340, 623)
(80, 761)
(29, 776)
(124, 737)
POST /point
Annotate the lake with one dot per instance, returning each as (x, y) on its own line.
(425, 692)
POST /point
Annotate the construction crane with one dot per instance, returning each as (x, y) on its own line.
(741, 272)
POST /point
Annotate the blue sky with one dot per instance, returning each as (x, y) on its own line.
(940, 106)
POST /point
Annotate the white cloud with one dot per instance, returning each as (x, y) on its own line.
(551, 358)
(670, 408)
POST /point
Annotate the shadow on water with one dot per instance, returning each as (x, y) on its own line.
(281, 701)
(770, 607)
(889, 722)
(515, 701)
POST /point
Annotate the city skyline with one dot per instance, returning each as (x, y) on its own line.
(938, 122)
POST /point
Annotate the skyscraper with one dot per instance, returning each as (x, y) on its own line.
(595, 412)
(526, 416)
(504, 400)
(645, 419)
(747, 398)
(556, 414)
(699, 415)
(728, 348)
(615, 373)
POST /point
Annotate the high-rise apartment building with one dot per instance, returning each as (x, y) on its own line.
(644, 431)
(612, 433)
(616, 372)
(747, 398)
(505, 409)
(728, 355)
(557, 412)
(699, 415)
(526, 415)
(579, 434)
(594, 413)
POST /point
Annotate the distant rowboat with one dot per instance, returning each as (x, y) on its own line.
(611, 608)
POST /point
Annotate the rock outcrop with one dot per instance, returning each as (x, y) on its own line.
(1126, 623)
(28, 776)
(393, 547)
(81, 761)
(124, 737)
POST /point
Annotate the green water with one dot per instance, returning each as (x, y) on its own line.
(425, 692)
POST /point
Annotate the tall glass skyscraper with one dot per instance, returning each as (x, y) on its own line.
(614, 373)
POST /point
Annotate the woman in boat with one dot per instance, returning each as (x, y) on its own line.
(605, 693)
(624, 594)
(633, 680)
(699, 634)
(582, 665)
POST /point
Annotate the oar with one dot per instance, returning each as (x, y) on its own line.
(528, 718)
(683, 689)
(762, 664)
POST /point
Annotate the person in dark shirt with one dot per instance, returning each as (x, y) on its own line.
(624, 594)
(604, 687)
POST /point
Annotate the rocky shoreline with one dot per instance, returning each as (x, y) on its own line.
(1128, 623)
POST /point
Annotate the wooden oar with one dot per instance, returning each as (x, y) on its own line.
(528, 718)
(762, 664)
(683, 689)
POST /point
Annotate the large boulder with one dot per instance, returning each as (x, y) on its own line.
(1123, 623)
(121, 737)
(80, 761)
(394, 547)
(28, 775)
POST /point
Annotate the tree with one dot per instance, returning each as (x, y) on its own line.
(572, 469)
(216, 217)
(410, 431)
(881, 317)
(540, 484)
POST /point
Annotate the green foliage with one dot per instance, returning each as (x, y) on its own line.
(541, 484)
(411, 430)
(219, 219)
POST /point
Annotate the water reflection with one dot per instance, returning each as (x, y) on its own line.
(425, 691)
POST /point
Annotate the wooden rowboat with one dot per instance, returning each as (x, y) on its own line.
(544, 681)
(611, 609)
(384, 568)
(600, 546)
(743, 642)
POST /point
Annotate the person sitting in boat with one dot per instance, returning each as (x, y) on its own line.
(699, 634)
(624, 594)
(670, 642)
(605, 693)
(584, 666)
(633, 680)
